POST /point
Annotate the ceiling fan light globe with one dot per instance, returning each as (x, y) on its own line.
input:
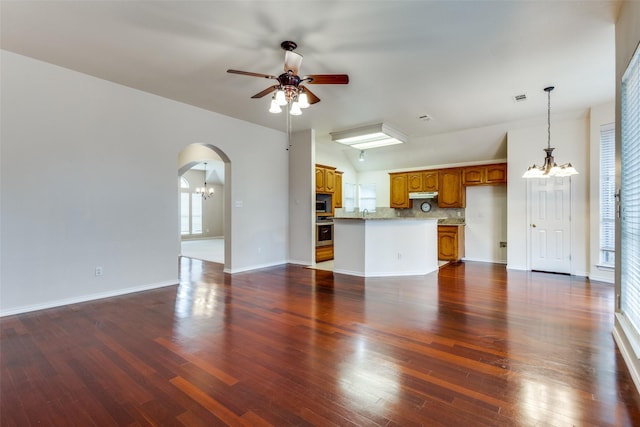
(295, 109)
(303, 100)
(281, 98)
(275, 108)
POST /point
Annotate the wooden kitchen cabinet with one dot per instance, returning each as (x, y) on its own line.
(430, 180)
(414, 181)
(485, 174)
(324, 253)
(337, 194)
(496, 174)
(398, 189)
(325, 179)
(451, 242)
(422, 181)
(451, 193)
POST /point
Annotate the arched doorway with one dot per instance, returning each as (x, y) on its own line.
(215, 221)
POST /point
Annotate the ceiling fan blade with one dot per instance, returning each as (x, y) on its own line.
(292, 61)
(265, 92)
(310, 95)
(327, 79)
(248, 73)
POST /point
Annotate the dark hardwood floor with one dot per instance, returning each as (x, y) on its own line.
(472, 345)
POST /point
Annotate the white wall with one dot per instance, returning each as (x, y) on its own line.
(599, 115)
(76, 152)
(486, 223)
(301, 198)
(570, 137)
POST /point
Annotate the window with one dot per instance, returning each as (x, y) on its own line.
(196, 213)
(190, 210)
(349, 193)
(630, 196)
(367, 199)
(184, 213)
(607, 195)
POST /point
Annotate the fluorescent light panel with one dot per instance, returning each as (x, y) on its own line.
(373, 136)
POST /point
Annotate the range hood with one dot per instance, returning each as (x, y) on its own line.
(423, 195)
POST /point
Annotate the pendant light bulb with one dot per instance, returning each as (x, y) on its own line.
(303, 100)
(275, 107)
(295, 109)
(281, 98)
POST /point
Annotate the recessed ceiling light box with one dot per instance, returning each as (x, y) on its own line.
(372, 136)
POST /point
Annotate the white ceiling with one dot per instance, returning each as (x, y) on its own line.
(460, 62)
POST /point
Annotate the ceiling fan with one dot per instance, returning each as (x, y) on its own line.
(290, 90)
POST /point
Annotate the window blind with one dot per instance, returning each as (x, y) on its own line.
(630, 194)
(367, 199)
(607, 194)
(349, 193)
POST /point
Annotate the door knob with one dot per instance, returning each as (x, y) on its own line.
(533, 225)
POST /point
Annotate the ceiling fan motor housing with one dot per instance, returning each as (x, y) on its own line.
(289, 79)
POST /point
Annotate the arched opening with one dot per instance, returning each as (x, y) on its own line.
(205, 220)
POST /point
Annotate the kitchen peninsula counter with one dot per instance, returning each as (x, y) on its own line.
(383, 246)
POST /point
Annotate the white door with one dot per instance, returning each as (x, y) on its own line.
(550, 224)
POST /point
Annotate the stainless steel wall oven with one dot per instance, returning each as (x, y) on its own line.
(324, 233)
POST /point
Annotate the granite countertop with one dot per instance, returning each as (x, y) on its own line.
(394, 218)
(451, 221)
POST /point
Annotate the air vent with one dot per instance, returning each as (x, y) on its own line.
(520, 98)
(425, 118)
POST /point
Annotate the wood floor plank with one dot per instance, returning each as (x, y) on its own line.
(470, 345)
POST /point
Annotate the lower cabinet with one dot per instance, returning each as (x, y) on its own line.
(450, 242)
(324, 253)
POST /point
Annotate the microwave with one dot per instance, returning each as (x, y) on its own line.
(321, 206)
(323, 203)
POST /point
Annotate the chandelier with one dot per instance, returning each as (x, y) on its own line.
(549, 168)
(204, 191)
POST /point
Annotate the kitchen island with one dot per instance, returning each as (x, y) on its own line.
(378, 247)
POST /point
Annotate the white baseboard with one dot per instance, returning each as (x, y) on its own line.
(628, 353)
(254, 267)
(490, 261)
(84, 298)
(601, 278)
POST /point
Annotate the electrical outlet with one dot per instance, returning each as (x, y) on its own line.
(99, 271)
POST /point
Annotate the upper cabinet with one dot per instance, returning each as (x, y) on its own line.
(451, 193)
(422, 181)
(430, 180)
(337, 194)
(398, 189)
(449, 183)
(325, 179)
(414, 181)
(485, 174)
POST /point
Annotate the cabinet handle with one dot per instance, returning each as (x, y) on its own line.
(533, 225)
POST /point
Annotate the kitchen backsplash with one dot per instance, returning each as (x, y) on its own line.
(414, 212)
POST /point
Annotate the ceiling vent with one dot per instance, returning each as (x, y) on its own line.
(425, 118)
(520, 98)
